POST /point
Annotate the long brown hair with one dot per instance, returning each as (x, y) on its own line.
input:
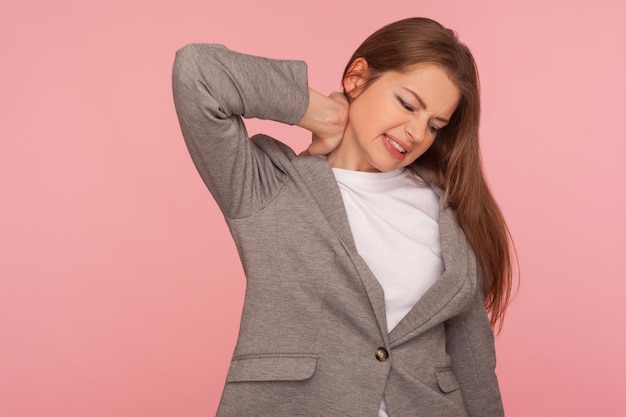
(453, 161)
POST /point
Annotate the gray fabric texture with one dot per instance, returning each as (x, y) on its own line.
(314, 314)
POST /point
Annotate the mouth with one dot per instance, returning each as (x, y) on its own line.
(397, 146)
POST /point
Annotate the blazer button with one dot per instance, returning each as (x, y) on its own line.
(381, 354)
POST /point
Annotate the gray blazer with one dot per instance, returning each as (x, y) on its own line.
(313, 338)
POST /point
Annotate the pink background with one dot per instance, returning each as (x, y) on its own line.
(120, 288)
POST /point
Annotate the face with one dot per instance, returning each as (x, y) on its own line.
(395, 119)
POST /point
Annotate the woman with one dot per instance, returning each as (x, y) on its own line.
(372, 259)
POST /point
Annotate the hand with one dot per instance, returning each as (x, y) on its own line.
(326, 118)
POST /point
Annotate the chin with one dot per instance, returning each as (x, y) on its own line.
(384, 167)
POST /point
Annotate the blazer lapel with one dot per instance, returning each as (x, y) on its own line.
(448, 295)
(320, 180)
(451, 292)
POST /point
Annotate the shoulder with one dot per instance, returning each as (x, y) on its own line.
(308, 169)
(273, 147)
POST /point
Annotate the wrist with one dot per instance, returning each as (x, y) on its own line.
(323, 114)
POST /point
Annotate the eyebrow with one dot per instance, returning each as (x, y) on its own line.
(421, 102)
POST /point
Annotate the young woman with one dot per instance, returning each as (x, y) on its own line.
(371, 259)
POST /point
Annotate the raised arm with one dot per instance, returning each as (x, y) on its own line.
(213, 88)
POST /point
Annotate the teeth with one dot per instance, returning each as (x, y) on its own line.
(395, 144)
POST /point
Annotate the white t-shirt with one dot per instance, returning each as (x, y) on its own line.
(394, 217)
(394, 220)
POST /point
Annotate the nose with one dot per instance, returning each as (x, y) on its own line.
(416, 129)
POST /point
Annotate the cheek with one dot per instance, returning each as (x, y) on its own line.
(427, 145)
(359, 119)
(371, 117)
(420, 150)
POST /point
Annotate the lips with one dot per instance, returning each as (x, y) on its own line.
(396, 146)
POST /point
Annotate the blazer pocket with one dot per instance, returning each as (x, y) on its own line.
(447, 381)
(272, 368)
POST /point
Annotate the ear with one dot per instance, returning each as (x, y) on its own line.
(356, 76)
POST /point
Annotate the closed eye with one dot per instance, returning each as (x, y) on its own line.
(433, 129)
(405, 105)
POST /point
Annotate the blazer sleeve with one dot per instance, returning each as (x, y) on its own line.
(213, 89)
(470, 343)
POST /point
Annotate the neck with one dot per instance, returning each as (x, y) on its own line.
(347, 156)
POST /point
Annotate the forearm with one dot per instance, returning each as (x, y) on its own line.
(225, 83)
